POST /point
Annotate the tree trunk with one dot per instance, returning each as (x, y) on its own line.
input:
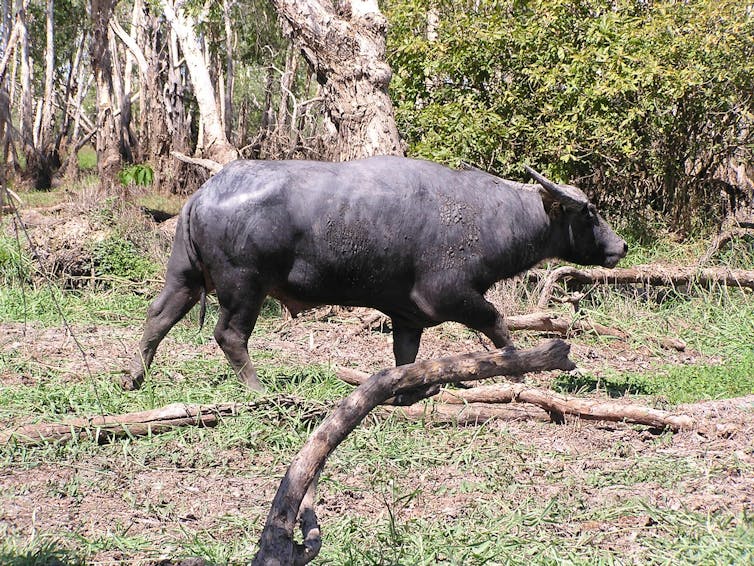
(78, 86)
(47, 126)
(229, 72)
(109, 160)
(122, 99)
(213, 144)
(346, 50)
(37, 169)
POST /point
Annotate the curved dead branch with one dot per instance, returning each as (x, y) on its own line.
(276, 545)
(557, 406)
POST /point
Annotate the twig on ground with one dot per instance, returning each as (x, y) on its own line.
(105, 428)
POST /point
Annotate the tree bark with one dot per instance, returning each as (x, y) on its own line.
(109, 161)
(276, 545)
(214, 144)
(346, 50)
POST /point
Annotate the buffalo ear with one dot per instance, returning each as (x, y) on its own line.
(549, 202)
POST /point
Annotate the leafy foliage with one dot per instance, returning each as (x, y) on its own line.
(645, 104)
(117, 256)
(138, 174)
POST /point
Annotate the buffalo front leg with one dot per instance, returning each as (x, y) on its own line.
(406, 340)
(170, 306)
(476, 312)
(234, 325)
(497, 332)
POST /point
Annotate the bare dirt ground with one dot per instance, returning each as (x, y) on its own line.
(167, 495)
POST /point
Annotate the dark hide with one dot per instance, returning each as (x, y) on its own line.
(413, 239)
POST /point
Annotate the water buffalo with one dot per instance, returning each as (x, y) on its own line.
(416, 240)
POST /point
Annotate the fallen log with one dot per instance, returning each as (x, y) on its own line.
(645, 275)
(537, 321)
(276, 545)
(142, 423)
(557, 406)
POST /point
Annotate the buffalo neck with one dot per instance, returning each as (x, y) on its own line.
(524, 235)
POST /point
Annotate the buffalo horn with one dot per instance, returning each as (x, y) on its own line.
(567, 195)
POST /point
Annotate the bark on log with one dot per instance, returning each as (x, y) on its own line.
(464, 414)
(645, 275)
(105, 428)
(276, 545)
(557, 406)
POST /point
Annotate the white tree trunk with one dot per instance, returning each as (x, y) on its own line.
(214, 143)
(46, 131)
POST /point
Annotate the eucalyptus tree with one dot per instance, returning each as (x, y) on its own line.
(344, 44)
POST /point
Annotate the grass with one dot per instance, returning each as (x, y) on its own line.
(672, 384)
(395, 492)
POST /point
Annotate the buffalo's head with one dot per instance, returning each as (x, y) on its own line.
(586, 238)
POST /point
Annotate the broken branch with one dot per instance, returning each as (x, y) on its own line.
(276, 545)
(213, 166)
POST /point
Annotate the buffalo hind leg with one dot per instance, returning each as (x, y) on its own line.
(237, 318)
(170, 306)
(406, 340)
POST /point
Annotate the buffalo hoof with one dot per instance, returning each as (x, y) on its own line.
(130, 382)
(253, 385)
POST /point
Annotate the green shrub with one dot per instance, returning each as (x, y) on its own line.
(117, 256)
(138, 174)
(641, 103)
